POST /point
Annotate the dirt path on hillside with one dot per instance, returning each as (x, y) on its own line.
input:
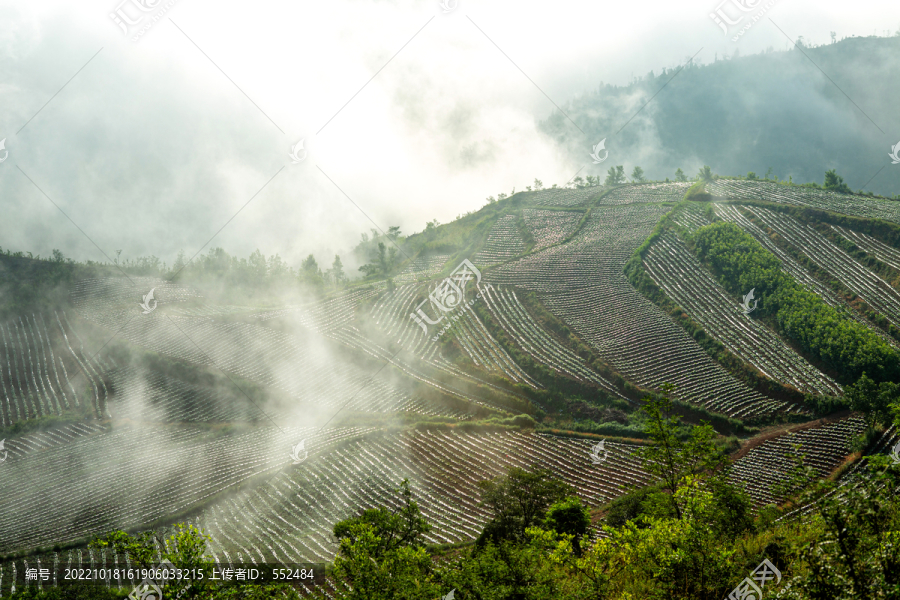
(781, 430)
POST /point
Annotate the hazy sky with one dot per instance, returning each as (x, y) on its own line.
(151, 146)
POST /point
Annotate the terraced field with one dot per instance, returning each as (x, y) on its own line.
(35, 378)
(768, 464)
(690, 215)
(131, 477)
(856, 277)
(793, 268)
(564, 196)
(503, 243)
(290, 515)
(870, 245)
(317, 376)
(159, 445)
(647, 192)
(521, 327)
(680, 275)
(582, 282)
(549, 227)
(858, 206)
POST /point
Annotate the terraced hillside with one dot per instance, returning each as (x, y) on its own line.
(582, 281)
(395, 378)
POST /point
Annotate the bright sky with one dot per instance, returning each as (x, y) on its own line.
(406, 113)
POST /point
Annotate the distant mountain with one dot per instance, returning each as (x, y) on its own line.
(800, 112)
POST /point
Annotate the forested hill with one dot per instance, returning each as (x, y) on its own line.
(776, 109)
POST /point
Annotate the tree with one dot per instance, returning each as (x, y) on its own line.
(615, 175)
(679, 175)
(835, 183)
(382, 554)
(538, 184)
(705, 173)
(670, 458)
(517, 501)
(336, 273)
(393, 232)
(403, 526)
(381, 261)
(798, 478)
(857, 554)
(569, 517)
(751, 175)
(578, 182)
(873, 399)
(310, 273)
(185, 549)
(637, 175)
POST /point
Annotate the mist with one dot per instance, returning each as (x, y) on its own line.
(407, 114)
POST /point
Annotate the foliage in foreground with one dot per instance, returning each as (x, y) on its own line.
(692, 535)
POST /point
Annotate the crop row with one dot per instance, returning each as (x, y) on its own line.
(503, 243)
(432, 358)
(391, 315)
(564, 196)
(680, 275)
(769, 464)
(690, 215)
(860, 206)
(583, 283)
(792, 267)
(873, 246)
(518, 324)
(646, 192)
(23, 445)
(34, 378)
(885, 444)
(550, 227)
(290, 517)
(871, 288)
(130, 477)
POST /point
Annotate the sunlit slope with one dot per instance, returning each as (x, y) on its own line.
(582, 281)
(289, 517)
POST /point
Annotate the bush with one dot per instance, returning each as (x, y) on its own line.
(847, 347)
